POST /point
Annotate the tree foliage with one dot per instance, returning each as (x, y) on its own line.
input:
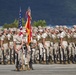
(39, 23)
(14, 24)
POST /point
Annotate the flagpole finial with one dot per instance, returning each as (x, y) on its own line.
(28, 9)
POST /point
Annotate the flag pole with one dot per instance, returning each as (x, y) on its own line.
(20, 23)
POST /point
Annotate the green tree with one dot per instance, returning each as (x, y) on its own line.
(23, 22)
(39, 23)
(14, 24)
(5, 25)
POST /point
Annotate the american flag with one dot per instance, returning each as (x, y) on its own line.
(20, 19)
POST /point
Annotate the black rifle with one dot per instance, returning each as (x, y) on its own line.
(14, 56)
(40, 60)
(17, 63)
(10, 56)
(64, 57)
(72, 57)
(54, 55)
(68, 55)
(60, 55)
(3, 57)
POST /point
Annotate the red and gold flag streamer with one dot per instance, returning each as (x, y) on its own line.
(28, 26)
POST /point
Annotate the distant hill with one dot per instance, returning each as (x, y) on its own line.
(53, 11)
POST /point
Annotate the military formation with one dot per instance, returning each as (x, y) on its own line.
(54, 45)
(48, 45)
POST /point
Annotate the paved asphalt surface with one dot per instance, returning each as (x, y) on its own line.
(39, 69)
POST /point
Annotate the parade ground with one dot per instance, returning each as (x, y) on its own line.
(40, 69)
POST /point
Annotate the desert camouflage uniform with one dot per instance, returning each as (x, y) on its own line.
(4, 47)
(18, 48)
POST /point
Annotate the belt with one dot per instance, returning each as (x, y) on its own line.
(18, 43)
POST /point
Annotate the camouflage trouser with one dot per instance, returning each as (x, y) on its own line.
(27, 58)
(6, 51)
(51, 52)
(34, 55)
(64, 55)
(18, 58)
(47, 48)
(40, 48)
(37, 54)
(5, 46)
(11, 47)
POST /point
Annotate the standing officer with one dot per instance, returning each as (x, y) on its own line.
(10, 45)
(40, 45)
(51, 52)
(34, 49)
(46, 45)
(64, 45)
(18, 43)
(55, 52)
(4, 46)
